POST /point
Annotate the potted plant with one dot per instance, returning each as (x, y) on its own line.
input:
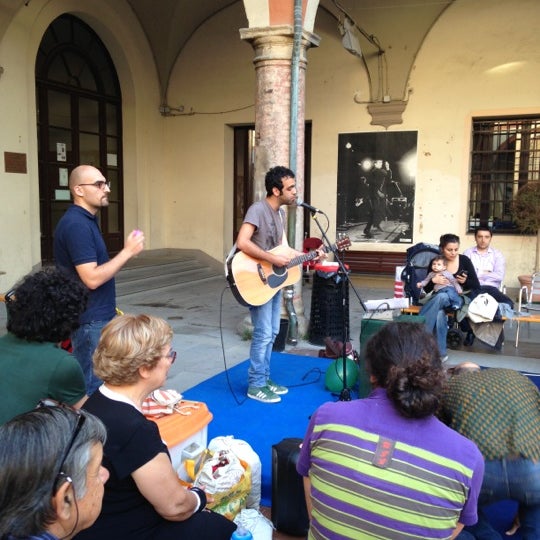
(526, 213)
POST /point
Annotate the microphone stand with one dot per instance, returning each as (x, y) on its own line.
(345, 394)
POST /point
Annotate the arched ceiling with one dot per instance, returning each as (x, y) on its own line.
(169, 24)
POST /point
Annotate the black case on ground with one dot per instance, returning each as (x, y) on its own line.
(289, 513)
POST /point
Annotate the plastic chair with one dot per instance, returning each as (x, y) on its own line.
(310, 244)
(529, 306)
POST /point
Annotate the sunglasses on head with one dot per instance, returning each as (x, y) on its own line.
(78, 426)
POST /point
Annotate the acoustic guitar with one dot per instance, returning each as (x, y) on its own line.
(254, 281)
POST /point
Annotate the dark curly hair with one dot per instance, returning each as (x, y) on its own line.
(45, 306)
(404, 359)
(274, 178)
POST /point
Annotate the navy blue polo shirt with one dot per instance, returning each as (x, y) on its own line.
(78, 240)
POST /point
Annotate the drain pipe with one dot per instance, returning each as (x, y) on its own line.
(293, 143)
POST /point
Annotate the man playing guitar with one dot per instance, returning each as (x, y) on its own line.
(262, 230)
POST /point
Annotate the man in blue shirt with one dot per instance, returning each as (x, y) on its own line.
(80, 250)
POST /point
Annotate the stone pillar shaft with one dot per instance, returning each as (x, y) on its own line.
(273, 47)
(273, 51)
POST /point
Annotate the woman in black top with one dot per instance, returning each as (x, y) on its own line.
(144, 499)
(463, 270)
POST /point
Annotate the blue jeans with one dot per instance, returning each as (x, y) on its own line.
(265, 320)
(481, 531)
(434, 312)
(84, 341)
(515, 479)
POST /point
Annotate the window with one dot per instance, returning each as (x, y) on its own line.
(505, 156)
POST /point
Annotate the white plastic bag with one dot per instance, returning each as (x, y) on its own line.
(220, 473)
(245, 452)
(259, 526)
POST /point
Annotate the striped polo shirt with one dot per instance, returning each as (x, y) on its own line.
(377, 474)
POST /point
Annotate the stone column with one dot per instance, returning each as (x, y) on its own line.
(273, 46)
(273, 52)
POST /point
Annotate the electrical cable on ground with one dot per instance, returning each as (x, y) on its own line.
(239, 401)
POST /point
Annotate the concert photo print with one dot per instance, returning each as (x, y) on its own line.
(376, 186)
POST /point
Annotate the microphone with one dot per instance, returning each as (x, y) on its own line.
(300, 202)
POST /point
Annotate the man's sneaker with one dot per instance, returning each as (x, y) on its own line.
(276, 388)
(444, 358)
(263, 393)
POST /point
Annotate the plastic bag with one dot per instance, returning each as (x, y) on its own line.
(228, 479)
(258, 525)
(245, 452)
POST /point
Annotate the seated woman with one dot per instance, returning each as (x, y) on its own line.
(463, 270)
(51, 483)
(144, 499)
(384, 466)
(42, 311)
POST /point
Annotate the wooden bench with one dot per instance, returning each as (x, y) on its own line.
(374, 262)
(415, 310)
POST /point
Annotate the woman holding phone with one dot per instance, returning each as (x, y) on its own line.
(463, 270)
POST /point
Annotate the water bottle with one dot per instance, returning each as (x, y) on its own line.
(241, 533)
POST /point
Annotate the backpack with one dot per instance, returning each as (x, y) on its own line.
(418, 265)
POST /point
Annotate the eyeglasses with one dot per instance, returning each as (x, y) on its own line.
(100, 184)
(172, 355)
(78, 426)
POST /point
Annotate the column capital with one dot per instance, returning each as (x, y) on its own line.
(276, 42)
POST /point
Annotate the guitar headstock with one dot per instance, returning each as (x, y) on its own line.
(343, 242)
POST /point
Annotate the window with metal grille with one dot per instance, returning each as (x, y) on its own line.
(505, 156)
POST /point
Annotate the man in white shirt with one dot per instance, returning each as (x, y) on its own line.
(490, 265)
(488, 262)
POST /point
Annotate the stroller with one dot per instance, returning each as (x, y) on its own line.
(417, 267)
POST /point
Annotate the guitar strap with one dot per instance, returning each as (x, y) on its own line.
(284, 241)
(234, 249)
(229, 258)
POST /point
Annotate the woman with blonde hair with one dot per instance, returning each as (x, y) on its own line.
(144, 499)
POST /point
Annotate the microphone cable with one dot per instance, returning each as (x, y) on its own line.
(225, 368)
(316, 371)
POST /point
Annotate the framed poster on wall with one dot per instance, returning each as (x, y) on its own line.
(376, 186)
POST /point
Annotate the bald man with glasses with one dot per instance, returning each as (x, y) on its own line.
(80, 250)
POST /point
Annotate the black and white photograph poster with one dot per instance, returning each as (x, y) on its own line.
(376, 185)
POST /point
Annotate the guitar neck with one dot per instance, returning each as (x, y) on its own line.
(306, 257)
(302, 259)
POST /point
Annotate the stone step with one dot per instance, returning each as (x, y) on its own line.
(160, 269)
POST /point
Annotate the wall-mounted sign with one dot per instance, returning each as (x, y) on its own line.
(15, 162)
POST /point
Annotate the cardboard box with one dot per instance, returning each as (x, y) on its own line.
(185, 433)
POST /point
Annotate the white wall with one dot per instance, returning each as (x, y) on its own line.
(481, 58)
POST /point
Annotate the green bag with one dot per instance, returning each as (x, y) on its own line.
(368, 328)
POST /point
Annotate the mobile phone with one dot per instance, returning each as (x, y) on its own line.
(464, 273)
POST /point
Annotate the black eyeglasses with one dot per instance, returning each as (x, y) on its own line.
(100, 184)
(78, 426)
